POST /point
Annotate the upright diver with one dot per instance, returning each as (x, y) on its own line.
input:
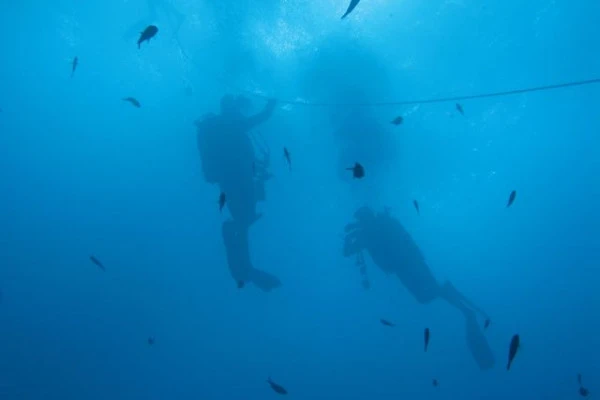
(394, 251)
(229, 161)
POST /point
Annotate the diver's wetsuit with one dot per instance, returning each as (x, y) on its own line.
(228, 160)
(394, 251)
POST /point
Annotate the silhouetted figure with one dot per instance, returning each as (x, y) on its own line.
(360, 137)
(392, 248)
(511, 198)
(173, 16)
(385, 322)
(358, 171)
(583, 392)
(277, 388)
(229, 161)
(515, 343)
(147, 34)
(486, 323)
(74, 65)
(98, 263)
(134, 102)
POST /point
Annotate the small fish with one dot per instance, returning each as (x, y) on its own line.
(397, 121)
(512, 350)
(435, 383)
(426, 337)
(511, 198)
(486, 323)
(357, 171)
(351, 6)
(74, 64)
(222, 201)
(387, 323)
(241, 284)
(151, 341)
(459, 108)
(133, 101)
(147, 34)
(98, 263)
(277, 388)
(416, 204)
(582, 391)
(288, 158)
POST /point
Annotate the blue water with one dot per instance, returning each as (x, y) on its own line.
(83, 173)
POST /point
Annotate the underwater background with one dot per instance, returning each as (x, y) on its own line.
(84, 173)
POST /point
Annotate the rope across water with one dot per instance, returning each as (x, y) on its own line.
(414, 101)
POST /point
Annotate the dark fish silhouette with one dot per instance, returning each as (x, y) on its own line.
(222, 201)
(511, 198)
(387, 323)
(397, 121)
(151, 341)
(416, 204)
(582, 391)
(288, 158)
(366, 284)
(435, 383)
(147, 34)
(487, 323)
(74, 64)
(512, 350)
(277, 388)
(357, 171)
(98, 263)
(241, 284)
(459, 108)
(426, 337)
(351, 6)
(133, 101)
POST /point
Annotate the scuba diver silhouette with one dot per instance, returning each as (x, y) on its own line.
(229, 161)
(392, 248)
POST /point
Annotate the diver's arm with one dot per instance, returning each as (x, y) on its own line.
(262, 116)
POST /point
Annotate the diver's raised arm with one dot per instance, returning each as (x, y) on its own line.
(262, 116)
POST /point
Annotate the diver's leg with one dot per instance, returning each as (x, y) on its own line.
(452, 292)
(235, 237)
(476, 340)
(236, 242)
